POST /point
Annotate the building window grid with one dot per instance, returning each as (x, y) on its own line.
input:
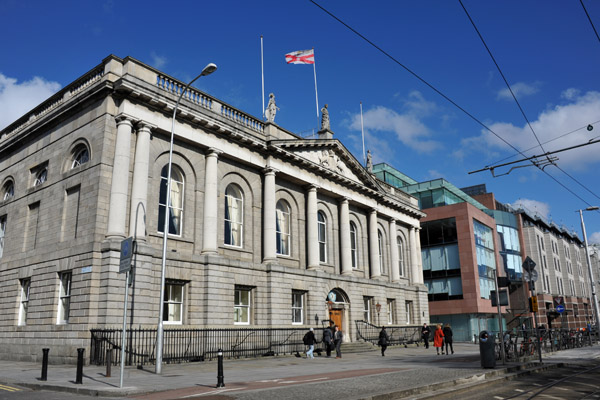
(322, 234)
(176, 200)
(9, 190)
(354, 245)
(380, 250)
(234, 216)
(24, 302)
(64, 299)
(282, 229)
(400, 255)
(242, 306)
(173, 303)
(297, 307)
(41, 176)
(81, 155)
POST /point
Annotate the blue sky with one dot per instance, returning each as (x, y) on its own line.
(547, 51)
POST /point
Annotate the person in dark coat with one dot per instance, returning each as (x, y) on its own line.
(309, 340)
(448, 338)
(328, 340)
(425, 332)
(383, 340)
(337, 340)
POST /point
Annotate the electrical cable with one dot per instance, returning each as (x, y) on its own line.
(441, 94)
(590, 19)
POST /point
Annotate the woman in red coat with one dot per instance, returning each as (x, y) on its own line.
(438, 339)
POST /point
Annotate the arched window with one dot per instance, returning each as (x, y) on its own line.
(400, 255)
(380, 245)
(81, 155)
(175, 203)
(353, 245)
(282, 219)
(41, 176)
(8, 191)
(322, 229)
(234, 215)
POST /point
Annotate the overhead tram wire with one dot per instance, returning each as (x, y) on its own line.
(443, 95)
(590, 19)
(519, 105)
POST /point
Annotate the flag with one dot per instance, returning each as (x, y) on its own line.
(301, 57)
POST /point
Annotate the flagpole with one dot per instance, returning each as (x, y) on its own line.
(362, 131)
(316, 93)
(262, 71)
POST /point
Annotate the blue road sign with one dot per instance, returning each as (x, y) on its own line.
(560, 308)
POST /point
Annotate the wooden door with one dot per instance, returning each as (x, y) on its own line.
(336, 317)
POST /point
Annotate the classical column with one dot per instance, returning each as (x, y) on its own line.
(374, 245)
(414, 265)
(119, 187)
(269, 224)
(312, 232)
(139, 187)
(211, 194)
(394, 264)
(345, 246)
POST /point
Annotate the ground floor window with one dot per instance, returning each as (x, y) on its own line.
(173, 302)
(408, 306)
(297, 307)
(25, 285)
(367, 308)
(241, 306)
(64, 298)
(390, 310)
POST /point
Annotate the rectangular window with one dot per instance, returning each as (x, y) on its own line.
(25, 285)
(241, 306)
(173, 302)
(408, 309)
(367, 308)
(297, 307)
(64, 298)
(2, 233)
(391, 305)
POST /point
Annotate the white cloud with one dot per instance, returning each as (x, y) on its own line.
(595, 238)
(406, 127)
(533, 206)
(158, 61)
(520, 89)
(578, 111)
(18, 98)
(435, 174)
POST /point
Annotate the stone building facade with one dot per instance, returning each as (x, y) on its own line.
(266, 229)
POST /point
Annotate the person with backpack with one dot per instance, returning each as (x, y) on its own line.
(448, 338)
(337, 340)
(383, 340)
(425, 332)
(328, 340)
(309, 340)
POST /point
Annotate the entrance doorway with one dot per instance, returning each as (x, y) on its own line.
(336, 317)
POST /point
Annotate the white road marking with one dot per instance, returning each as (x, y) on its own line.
(499, 398)
(519, 390)
(306, 380)
(211, 392)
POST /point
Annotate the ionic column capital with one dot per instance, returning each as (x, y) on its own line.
(124, 119)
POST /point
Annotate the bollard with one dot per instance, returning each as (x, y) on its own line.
(108, 362)
(45, 365)
(79, 377)
(220, 382)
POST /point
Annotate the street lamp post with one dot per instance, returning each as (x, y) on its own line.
(587, 255)
(209, 69)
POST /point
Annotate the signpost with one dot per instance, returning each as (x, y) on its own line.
(125, 267)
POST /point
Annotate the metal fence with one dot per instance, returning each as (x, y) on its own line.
(399, 335)
(188, 345)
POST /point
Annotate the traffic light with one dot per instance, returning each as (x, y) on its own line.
(533, 304)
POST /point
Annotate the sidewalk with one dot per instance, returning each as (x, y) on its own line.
(357, 376)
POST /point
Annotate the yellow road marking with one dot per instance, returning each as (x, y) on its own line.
(9, 388)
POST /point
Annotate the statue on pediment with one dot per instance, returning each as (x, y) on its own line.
(369, 161)
(325, 126)
(271, 108)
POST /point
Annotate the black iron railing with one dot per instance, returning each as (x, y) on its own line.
(187, 345)
(399, 335)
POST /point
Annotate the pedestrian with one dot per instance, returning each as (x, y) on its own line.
(337, 340)
(448, 338)
(438, 339)
(425, 332)
(383, 340)
(328, 340)
(309, 340)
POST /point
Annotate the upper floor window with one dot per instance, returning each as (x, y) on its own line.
(400, 255)
(8, 191)
(24, 305)
(64, 297)
(40, 176)
(234, 216)
(354, 245)
(175, 217)
(380, 246)
(81, 155)
(2, 233)
(322, 229)
(282, 219)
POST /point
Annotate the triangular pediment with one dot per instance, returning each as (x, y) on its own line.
(330, 155)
